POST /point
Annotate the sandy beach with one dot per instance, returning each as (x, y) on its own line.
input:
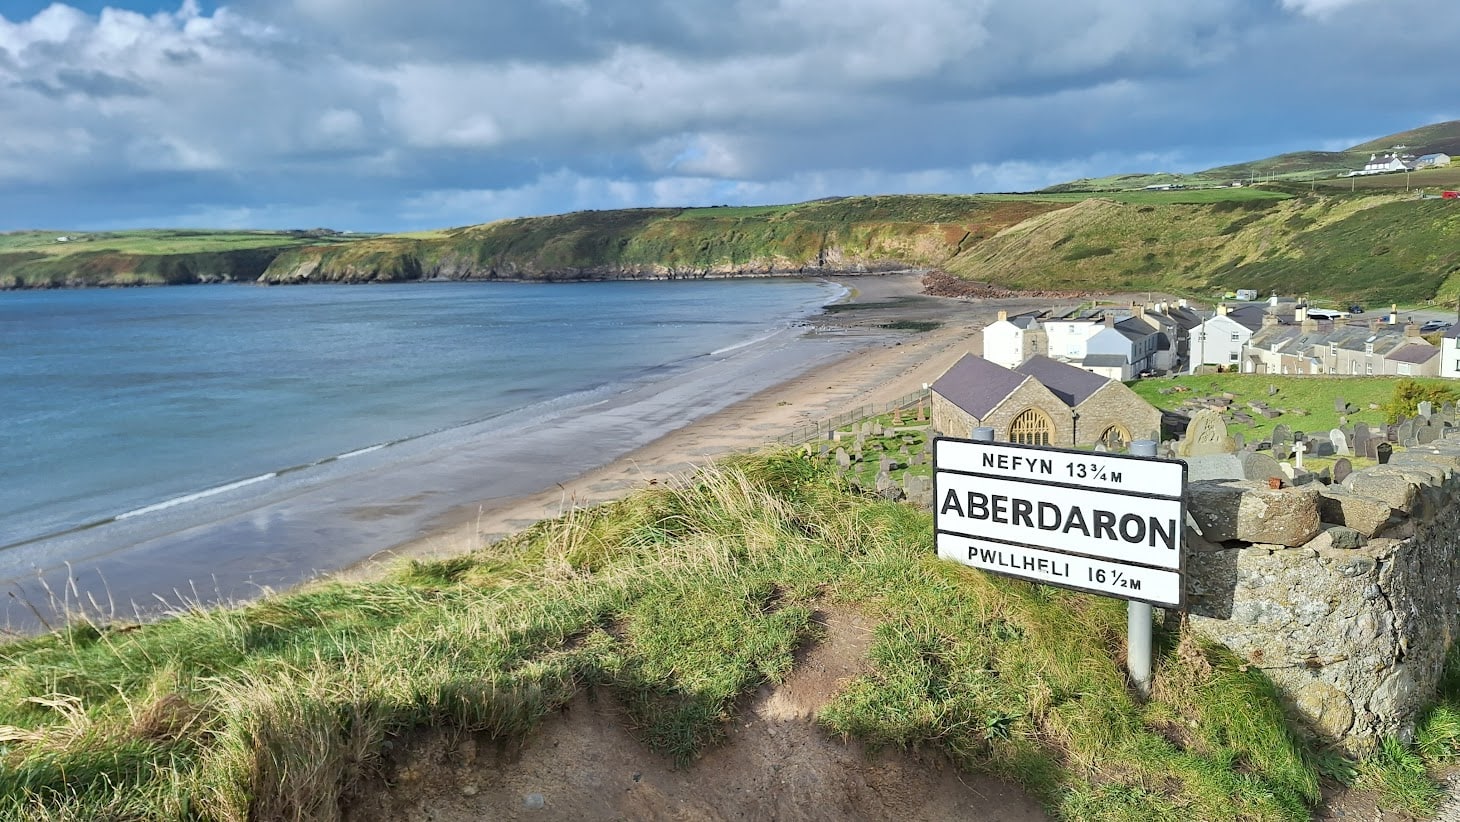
(880, 367)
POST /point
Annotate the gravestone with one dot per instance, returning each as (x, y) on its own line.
(1341, 469)
(1260, 467)
(1208, 450)
(876, 429)
(1391, 433)
(1206, 435)
(1371, 447)
(1299, 449)
(1100, 447)
(1426, 409)
(885, 485)
(1282, 451)
(1404, 434)
(1383, 453)
(1426, 434)
(1271, 389)
(1340, 442)
(1239, 441)
(1321, 446)
(1361, 439)
(1340, 405)
(1281, 434)
(921, 416)
(843, 459)
(897, 416)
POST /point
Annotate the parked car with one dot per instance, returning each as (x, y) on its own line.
(1355, 309)
(1435, 325)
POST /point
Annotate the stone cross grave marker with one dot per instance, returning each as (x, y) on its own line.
(1340, 442)
(1299, 448)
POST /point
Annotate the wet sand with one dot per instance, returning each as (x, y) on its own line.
(460, 491)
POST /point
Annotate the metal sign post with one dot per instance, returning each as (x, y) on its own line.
(1109, 524)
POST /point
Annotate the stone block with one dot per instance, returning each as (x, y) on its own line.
(1337, 537)
(1395, 490)
(1364, 514)
(1252, 512)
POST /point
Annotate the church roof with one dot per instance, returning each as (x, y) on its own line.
(1072, 385)
(977, 385)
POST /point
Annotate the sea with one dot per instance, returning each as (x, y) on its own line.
(128, 404)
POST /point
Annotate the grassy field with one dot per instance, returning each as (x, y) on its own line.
(1432, 180)
(679, 600)
(154, 241)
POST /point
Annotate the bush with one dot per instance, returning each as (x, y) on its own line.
(1408, 394)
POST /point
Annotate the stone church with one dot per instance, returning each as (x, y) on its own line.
(1040, 402)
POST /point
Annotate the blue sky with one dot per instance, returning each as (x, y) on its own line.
(376, 115)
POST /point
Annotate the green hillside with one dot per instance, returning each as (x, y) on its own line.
(1377, 248)
(825, 236)
(60, 259)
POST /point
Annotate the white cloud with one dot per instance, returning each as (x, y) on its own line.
(1319, 8)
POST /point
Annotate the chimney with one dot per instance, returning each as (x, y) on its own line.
(1394, 313)
(1310, 326)
(1300, 314)
(1376, 325)
(1222, 309)
(1181, 303)
(1411, 330)
(1268, 318)
(1003, 316)
(1109, 320)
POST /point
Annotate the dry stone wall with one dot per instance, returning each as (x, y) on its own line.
(1347, 595)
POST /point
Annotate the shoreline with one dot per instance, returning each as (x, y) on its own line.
(887, 367)
(458, 492)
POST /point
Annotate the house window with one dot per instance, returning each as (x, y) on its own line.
(1116, 438)
(1032, 427)
(1234, 355)
(1235, 338)
(1333, 349)
(1404, 369)
(1369, 369)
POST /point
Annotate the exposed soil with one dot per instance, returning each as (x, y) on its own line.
(776, 763)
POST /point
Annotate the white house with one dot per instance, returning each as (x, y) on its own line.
(1011, 341)
(1219, 340)
(1450, 353)
(1432, 160)
(1068, 338)
(1387, 163)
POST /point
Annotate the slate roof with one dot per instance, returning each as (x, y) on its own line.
(1453, 331)
(1249, 316)
(1072, 385)
(1133, 329)
(1413, 353)
(977, 385)
(1104, 360)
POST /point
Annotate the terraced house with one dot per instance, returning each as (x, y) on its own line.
(1309, 346)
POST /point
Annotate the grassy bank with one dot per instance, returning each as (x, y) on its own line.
(678, 600)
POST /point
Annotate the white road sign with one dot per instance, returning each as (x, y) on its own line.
(1107, 523)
